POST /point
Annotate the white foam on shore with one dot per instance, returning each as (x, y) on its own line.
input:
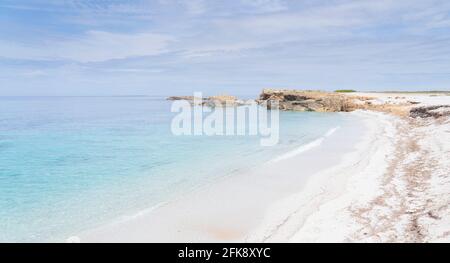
(305, 147)
(122, 219)
(139, 213)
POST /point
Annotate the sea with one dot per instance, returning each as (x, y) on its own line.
(70, 164)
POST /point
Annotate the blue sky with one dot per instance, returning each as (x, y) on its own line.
(159, 47)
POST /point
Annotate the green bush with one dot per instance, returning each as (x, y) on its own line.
(345, 90)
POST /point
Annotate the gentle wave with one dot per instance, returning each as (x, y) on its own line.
(331, 131)
(137, 214)
(305, 147)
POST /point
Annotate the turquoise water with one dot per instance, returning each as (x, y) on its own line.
(68, 164)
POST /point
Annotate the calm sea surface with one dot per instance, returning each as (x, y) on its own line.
(68, 164)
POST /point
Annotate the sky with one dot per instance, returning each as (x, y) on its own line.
(239, 47)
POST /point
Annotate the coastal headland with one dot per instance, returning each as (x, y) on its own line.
(414, 104)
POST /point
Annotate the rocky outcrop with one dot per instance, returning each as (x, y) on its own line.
(212, 101)
(300, 100)
(435, 111)
(400, 109)
(189, 98)
(321, 101)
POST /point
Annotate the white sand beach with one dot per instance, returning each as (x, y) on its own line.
(397, 190)
(393, 186)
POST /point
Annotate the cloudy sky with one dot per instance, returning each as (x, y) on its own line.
(159, 47)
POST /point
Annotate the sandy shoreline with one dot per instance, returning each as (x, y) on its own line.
(398, 190)
(290, 219)
(394, 186)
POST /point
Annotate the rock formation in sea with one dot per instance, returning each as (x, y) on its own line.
(189, 98)
(212, 101)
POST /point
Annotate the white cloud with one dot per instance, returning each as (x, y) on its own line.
(347, 14)
(266, 6)
(34, 73)
(211, 49)
(195, 7)
(94, 46)
(133, 70)
(101, 46)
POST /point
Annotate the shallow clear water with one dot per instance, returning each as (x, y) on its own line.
(72, 163)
